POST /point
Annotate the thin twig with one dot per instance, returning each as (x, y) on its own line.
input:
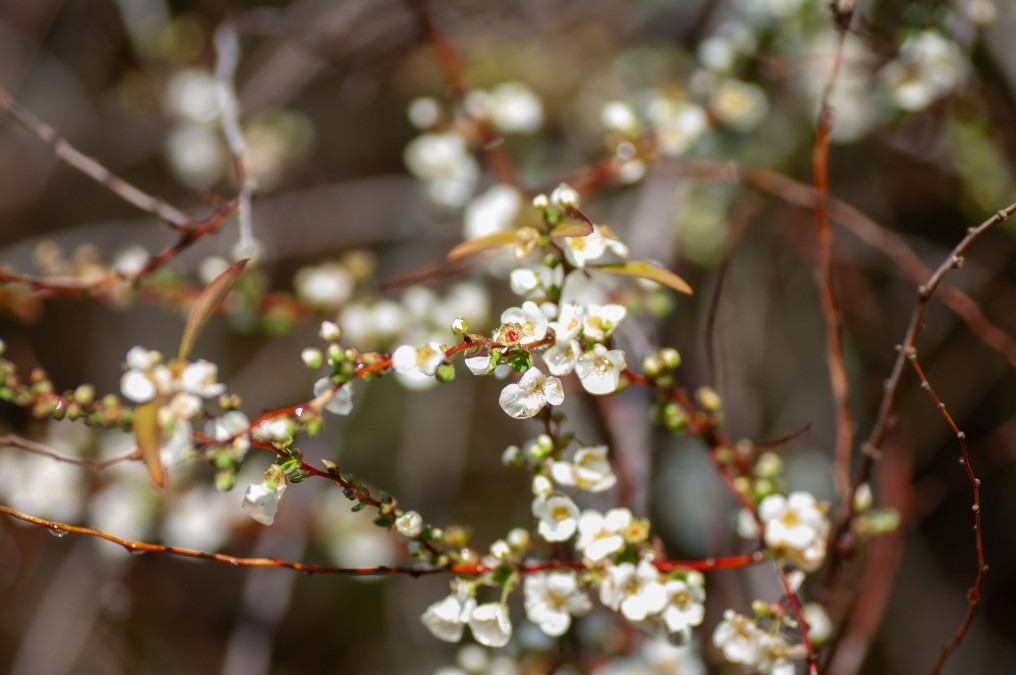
(90, 167)
(830, 309)
(15, 441)
(463, 569)
(974, 592)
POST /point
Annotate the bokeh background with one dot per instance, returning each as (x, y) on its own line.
(324, 89)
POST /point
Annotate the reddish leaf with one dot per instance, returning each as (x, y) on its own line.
(206, 303)
(645, 270)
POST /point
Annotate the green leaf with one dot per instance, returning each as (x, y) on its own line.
(484, 243)
(148, 437)
(645, 270)
(206, 303)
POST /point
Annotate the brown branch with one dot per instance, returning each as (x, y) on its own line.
(464, 569)
(974, 592)
(830, 309)
(90, 167)
(14, 441)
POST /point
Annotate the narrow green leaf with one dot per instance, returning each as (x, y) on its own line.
(645, 270)
(206, 303)
(147, 435)
(572, 227)
(484, 243)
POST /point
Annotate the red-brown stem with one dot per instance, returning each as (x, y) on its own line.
(974, 592)
(14, 441)
(827, 295)
(464, 569)
(795, 607)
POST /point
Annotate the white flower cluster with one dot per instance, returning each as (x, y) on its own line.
(179, 388)
(443, 157)
(742, 641)
(929, 66)
(796, 528)
(489, 622)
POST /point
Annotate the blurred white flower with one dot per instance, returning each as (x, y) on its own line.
(491, 625)
(589, 470)
(552, 598)
(602, 534)
(558, 517)
(635, 591)
(796, 527)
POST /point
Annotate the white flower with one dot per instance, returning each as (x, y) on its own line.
(423, 112)
(602, 534)
(409, 524)
(739, 104)
(522, 325)
(564, 196)
(514, 108)
(329, 331)
(739, 638)
(600, 321)
(408, 359)
(274, 429)
(569, 322)
(493, 211)
(551, 600)
(542, 487)
(929, 66)
(261, 500)
(523, 281)
(446, 618)
(444, 162)
(199, 378)
(562, 358)
(479, 364)
(677, 124)
(620, 117)
(635, 591)
(685, 603)
(580, 250)
(231, 424)
(326, 286)
(777, 657)
(137, 386)
(340, 401)
(599, 370)
(534, 390)
(558, 517)
(590, 470)
(490, 624)
(796, 527)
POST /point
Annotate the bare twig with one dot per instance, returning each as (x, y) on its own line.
(830, 309)
(90, 167)
(15, 441)
(463, 569)
(974, 592)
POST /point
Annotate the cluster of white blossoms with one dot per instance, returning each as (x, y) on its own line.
(796, 528)
(928, 67)
(742, 641)
(180, 388)
(442, 156)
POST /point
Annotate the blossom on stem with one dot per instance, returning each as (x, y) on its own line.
(261, 500)
(446, 618)
(796, 528)
(491, 624)
(602, 534)
(589, 470)
(533, 391)
(558, 517)
(634, 590)
(599, 370)
(552, 598)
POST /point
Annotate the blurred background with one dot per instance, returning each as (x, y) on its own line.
(366, 178)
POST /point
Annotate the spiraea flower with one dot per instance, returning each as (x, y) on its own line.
(523, 325)
(602, 534)
(558, 517)
(338, 401)
(533, 391)
(589, 470)
(491, 624)
(796, 528)
(599, 370)
(929, 66)
(409, 524)
(593, 246)
(600, 321)
(685, 603)
(408, 359)
(552, 598)
(261, 500)
(446, 618)
(739, 638)
(633, 590)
